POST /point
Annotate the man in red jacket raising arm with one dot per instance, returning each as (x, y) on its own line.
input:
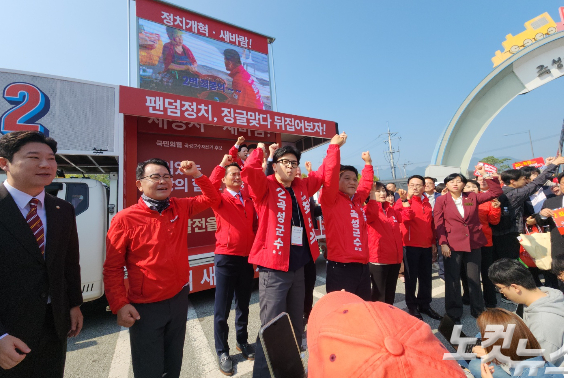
(234, 275)
(150, 239)
(342, 200)
(285, 240)
(420, 250)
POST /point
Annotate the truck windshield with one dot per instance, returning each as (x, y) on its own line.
(78, 195)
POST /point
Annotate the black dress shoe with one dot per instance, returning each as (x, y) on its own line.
(431, 313)
(225, 364)
(414, 312)
(247, 350)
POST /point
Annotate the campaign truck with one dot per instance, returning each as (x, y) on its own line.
(103, 131)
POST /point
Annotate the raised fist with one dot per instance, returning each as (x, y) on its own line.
(227, 159)
(272, 148)
(189, 168)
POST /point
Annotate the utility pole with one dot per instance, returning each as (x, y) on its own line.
(391, 152)
(404, 168)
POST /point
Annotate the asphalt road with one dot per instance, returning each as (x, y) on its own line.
(102, 350)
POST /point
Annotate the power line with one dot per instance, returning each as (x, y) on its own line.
(519, 144)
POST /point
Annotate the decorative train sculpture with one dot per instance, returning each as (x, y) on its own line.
(536, 29)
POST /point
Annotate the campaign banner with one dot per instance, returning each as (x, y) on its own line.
(536, 162)
(165, 126)
(558, 216)
(187, 54)
(488, 168)
(186, 20)
(152, 104)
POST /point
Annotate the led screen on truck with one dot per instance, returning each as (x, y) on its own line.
(186, 54)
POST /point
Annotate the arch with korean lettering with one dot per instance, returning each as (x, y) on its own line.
(519, 74)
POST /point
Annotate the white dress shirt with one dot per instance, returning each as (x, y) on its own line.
(23, 201)
(459, 204)
(431, 199)
(233, 193)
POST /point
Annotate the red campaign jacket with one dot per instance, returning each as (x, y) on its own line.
(234, 154)
(383, 228)
(168, 55)
(245, 92)
(345, 222)
(488, 215)
(419, 231)
(153, 247)
(463, 234)
(271, 247)
(236, 224)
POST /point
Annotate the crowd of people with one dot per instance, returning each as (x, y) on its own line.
(266, 217)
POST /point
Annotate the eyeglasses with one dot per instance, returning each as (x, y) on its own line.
(292, 163)
(418, 186)
(501, 288)
(156, 177)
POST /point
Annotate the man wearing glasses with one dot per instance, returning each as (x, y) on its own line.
(150, 239)
(285, 240)
(420, 250)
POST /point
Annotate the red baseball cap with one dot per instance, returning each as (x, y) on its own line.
(348, 337)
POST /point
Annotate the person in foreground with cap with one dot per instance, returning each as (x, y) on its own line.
(348, 337)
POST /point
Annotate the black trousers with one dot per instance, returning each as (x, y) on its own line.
(383, 281)
(156, 340)
(279, 292)
(47, 358)
(452, 265)
(506, 246)
(418, 272)
(353, 277)
(310, 283)
(489, 296)
(234, 277)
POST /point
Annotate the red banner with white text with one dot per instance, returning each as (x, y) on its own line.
(152, 104)
(536, 162)
(182, 19)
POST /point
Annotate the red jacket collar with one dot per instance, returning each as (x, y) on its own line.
(237, 71)
(295, 183)
(422, 200)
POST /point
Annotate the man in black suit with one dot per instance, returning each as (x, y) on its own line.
(40, 280)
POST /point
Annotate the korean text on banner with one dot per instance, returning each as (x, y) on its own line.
(152, 104)
(185, 20)
(488, 168)
(558, 216)
(537, 163)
